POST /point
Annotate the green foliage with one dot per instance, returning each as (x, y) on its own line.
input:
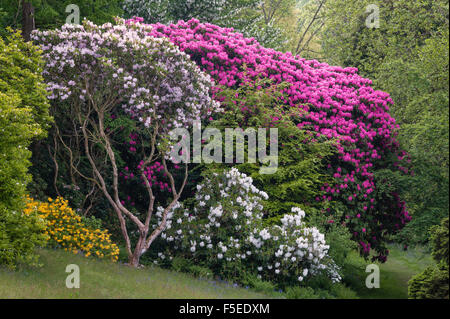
(23, 117)
(425, 131)
(337, 291)
(343, 292)
(200, 272)
(430, 284)
(439, 241)
(170, 11)
(16, 130)
(20, 75)
(301, 162)
(181, 264)
(404, 25)
(341, 244)
(245, 16)
(91, 222)
(337, 236)
(50, 14)
(433, 283)
(301, 293)
(19, 236)
(407, 56)
(259, 285)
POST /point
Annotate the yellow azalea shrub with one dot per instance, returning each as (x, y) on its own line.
(66, 229)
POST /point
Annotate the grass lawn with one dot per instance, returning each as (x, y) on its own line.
(102, 279)
(394, 274)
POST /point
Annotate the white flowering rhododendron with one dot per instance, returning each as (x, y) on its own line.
(100, 74)
(224, 231)
(292, 248)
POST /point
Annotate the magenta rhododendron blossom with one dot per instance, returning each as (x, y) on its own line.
(339, 104)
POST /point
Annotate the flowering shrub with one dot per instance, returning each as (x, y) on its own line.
(65, 229)
(227, 208)
(224, 231)
(292, 251)
(117, 93)
(339, 105)
(178, 99)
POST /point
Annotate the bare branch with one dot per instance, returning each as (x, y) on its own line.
(313, 20)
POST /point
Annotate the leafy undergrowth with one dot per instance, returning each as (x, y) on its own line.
(103, 279)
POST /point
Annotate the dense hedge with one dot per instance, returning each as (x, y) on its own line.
(23, 117)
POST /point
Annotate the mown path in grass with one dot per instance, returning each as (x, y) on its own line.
(395, 273)
(102, 279)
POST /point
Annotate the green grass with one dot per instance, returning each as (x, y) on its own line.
(394, 274)
(102, 279)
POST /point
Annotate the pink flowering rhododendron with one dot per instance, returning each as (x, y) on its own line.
(339, 104)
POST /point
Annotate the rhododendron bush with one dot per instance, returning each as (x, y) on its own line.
(109, 83)
(223, 230)
(339, 105)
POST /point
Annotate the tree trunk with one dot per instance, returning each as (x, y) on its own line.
(133, 259)
(27, 20)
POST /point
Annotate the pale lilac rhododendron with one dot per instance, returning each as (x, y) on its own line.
(339, 104)
(76, 51)
(97, 73)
